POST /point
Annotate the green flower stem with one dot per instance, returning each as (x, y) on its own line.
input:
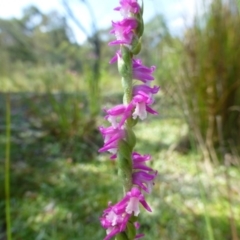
(126, 71)
(7, 168)
(126, 146)
(125, 166)
(125, 159)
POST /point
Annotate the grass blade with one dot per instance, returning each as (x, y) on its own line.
(7, 168)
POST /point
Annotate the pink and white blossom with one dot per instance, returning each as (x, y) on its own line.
(118, 114)
(111, 137)
(139, 161)
(141, 72)
(144, 180)
(124, 31)
(128, 7)
(118, 138)
(115, 217)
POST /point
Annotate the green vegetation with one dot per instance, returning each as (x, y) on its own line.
(59, 183)
(57, 196)
(208, 84)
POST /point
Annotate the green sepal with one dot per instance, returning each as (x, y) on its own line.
(122, 236)
(139, 17)
(132, 122)
(140, 27)
(136, 46)
(130, 231)
(133, 219)
(124, 148)
(142, 8)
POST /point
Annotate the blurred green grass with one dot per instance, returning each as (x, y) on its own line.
(58, 191)
(59, 183)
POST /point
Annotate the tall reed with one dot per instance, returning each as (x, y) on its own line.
(7, 168)
(209, 84)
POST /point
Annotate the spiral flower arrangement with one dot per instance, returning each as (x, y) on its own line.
(120, 219)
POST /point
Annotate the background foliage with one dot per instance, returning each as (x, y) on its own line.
(60, 185)
(210, 80)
